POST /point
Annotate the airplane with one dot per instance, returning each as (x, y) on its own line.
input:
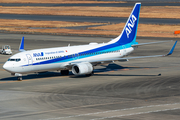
(80, 59)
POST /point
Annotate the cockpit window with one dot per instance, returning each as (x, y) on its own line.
(17, 60)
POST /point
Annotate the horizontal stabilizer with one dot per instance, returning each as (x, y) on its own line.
(150, 43)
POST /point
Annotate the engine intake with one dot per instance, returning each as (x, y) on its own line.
(82, 68)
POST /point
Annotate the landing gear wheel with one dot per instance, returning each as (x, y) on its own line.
(64, 72)
(19, 78)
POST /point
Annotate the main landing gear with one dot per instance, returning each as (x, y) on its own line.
(64, 72)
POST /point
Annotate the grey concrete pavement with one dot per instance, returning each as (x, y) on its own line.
(122, 90)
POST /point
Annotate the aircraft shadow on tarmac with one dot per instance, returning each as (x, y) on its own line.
(114, 67)
(110, 67)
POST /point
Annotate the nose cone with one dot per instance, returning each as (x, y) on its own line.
(7, 67)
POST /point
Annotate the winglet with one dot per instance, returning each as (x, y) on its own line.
(21, 46)
(172, 49)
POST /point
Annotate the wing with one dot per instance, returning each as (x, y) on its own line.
(127, 58)
(104, 61)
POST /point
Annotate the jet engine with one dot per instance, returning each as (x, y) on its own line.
(82, 68)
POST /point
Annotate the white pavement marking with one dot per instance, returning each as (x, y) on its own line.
(124, 112)
(138, 113)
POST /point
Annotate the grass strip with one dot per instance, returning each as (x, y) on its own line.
(146, 11)
(43, 24)
(58, 1)
(144, 30)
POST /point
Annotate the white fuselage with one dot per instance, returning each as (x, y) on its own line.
(59, 58)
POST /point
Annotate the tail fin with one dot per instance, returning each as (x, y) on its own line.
(129, 32)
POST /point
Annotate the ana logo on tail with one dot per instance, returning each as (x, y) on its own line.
(130, 25)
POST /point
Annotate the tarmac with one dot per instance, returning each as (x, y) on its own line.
(111, 20)
(140, 89)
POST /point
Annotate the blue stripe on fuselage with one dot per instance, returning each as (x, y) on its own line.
(110, 47)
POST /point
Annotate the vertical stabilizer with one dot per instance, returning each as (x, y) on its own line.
(129, 32)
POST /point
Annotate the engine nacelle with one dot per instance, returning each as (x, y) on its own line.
(82, 68)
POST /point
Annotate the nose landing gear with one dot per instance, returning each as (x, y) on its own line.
(19, 76)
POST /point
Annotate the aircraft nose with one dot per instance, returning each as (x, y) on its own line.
(6, 66)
